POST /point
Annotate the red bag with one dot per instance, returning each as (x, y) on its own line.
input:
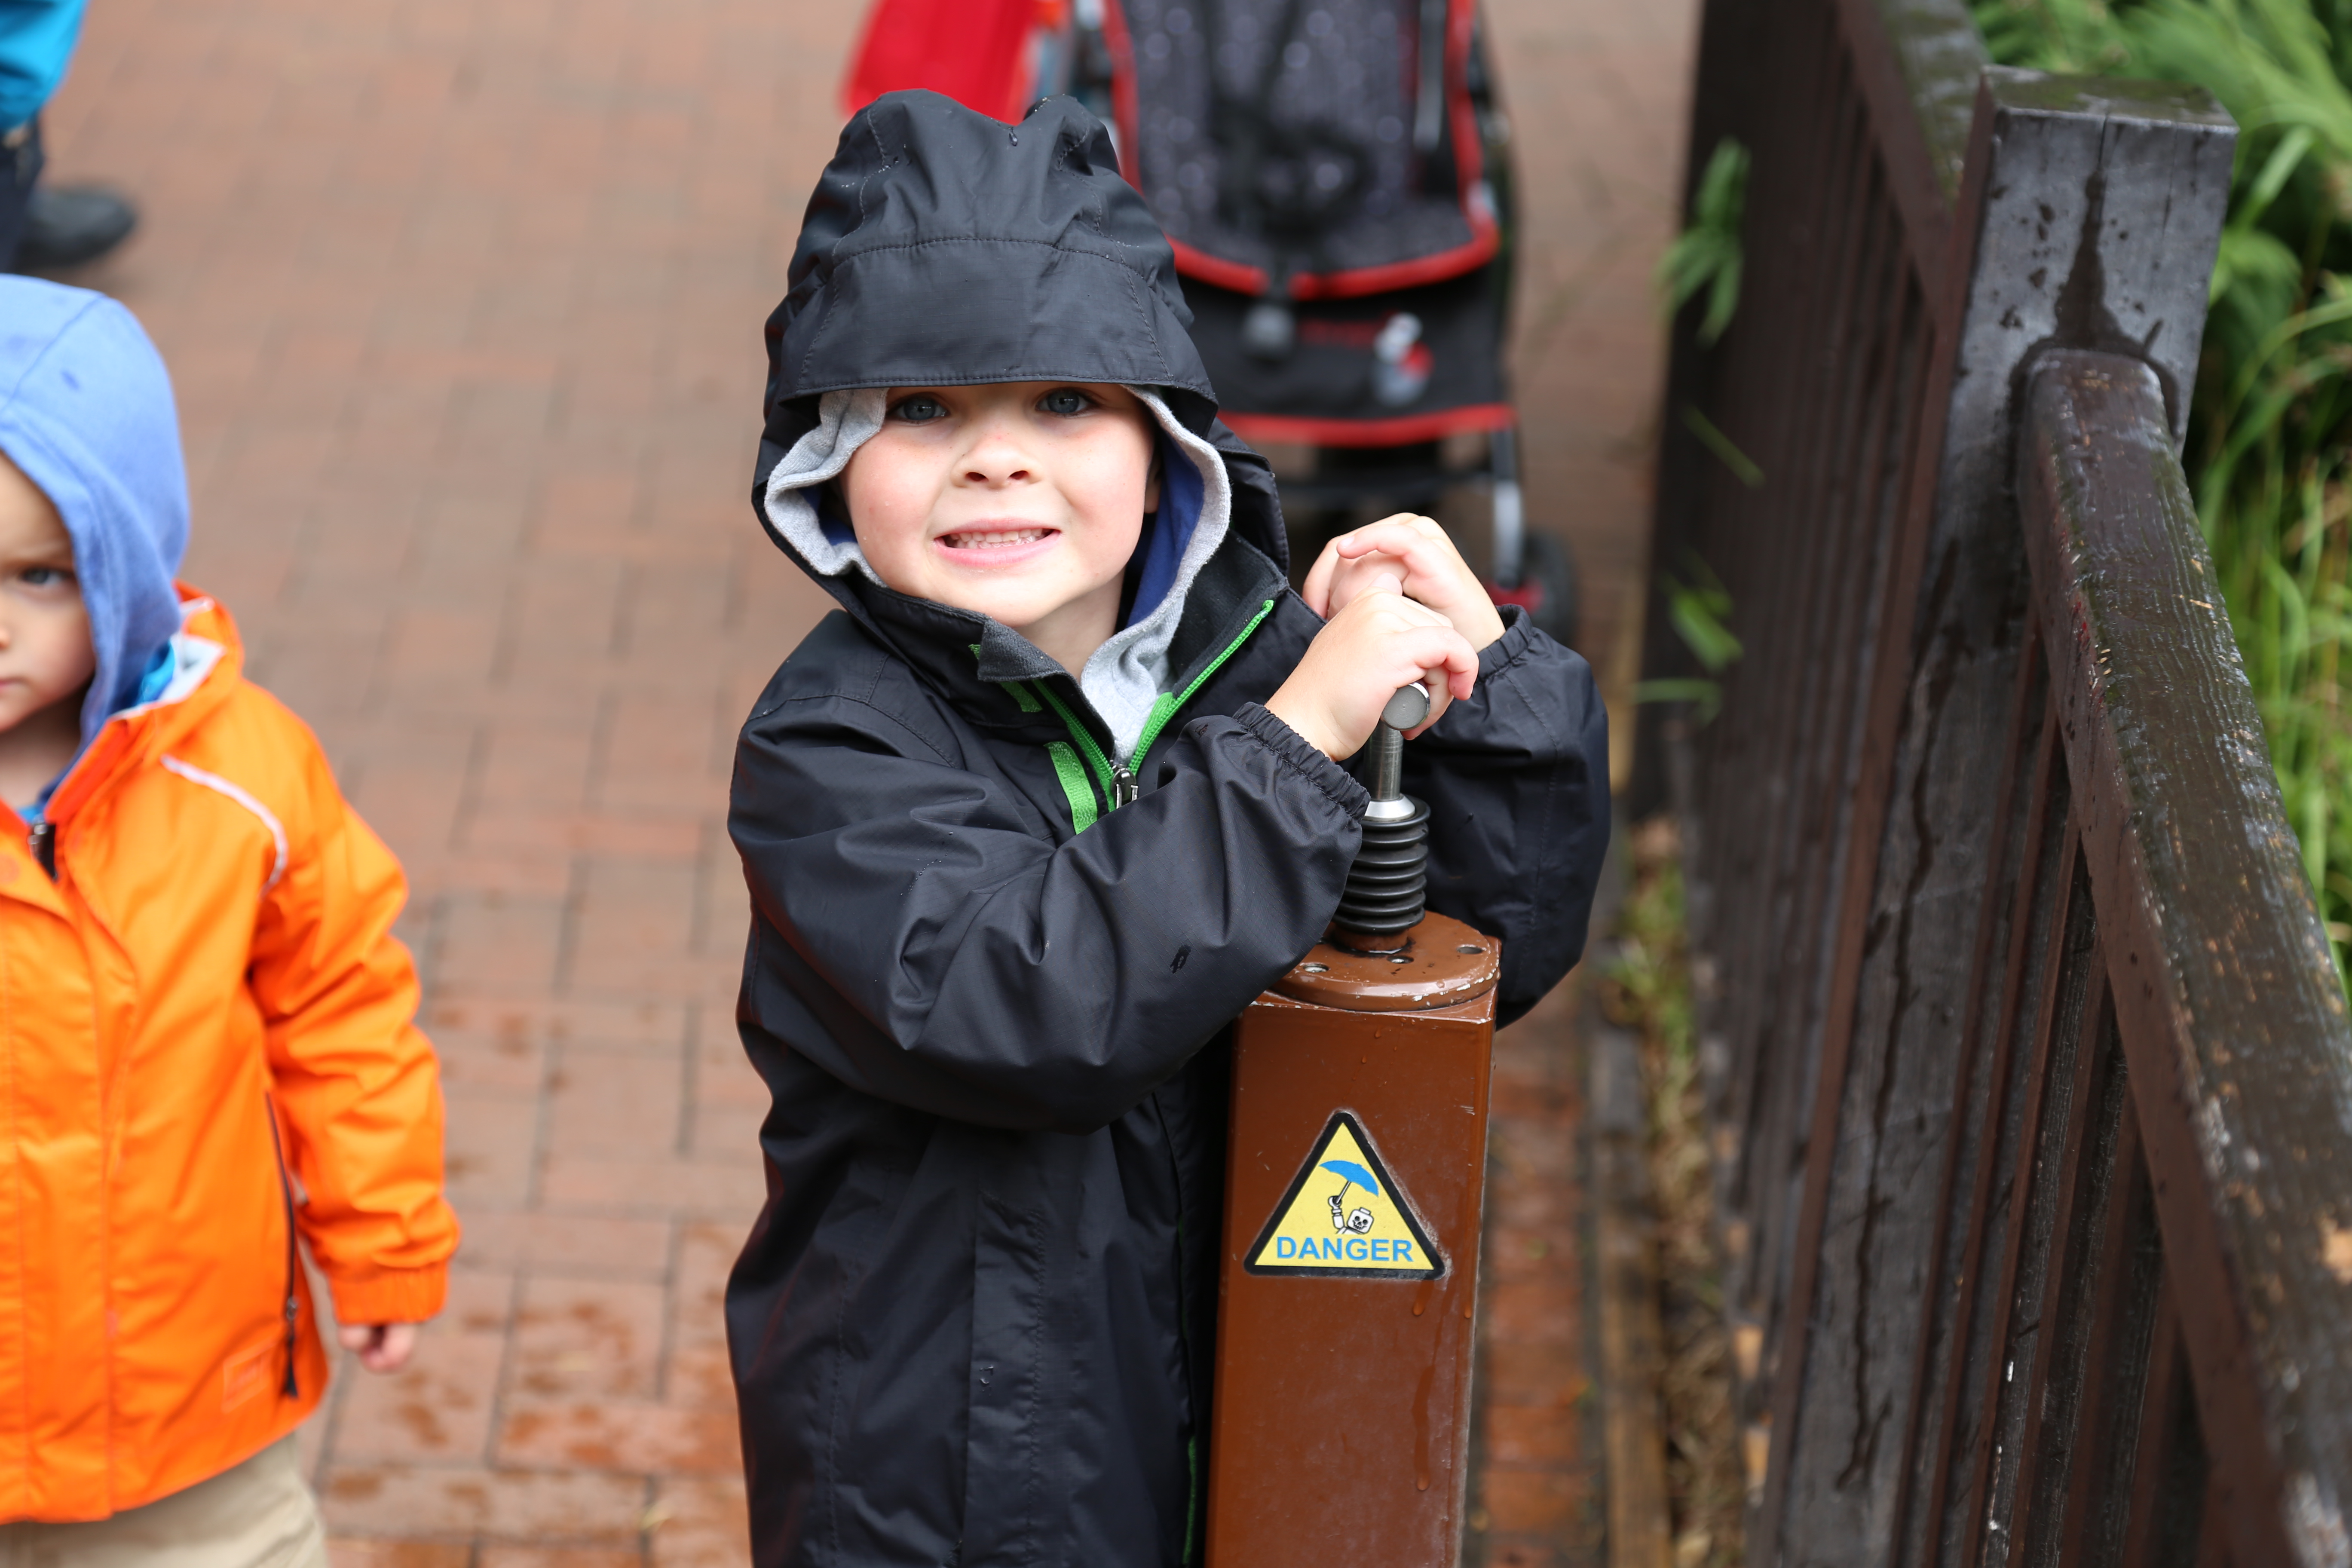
(979, 52)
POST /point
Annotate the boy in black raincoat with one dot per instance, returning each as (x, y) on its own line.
(1028, 821)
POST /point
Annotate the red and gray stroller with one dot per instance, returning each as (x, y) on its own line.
(1331, 172)
(1333, 175)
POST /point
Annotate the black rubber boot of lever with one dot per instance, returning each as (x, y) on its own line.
(1388, 880)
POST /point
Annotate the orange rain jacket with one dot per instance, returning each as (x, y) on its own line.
(211, 982)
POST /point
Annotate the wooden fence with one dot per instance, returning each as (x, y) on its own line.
(2029, 1076)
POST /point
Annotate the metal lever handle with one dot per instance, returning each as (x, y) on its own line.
(1407, 708)
(1385, 886)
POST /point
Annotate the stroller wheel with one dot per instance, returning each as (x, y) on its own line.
(1547, 588)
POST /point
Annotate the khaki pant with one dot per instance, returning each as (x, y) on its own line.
(258, 1514)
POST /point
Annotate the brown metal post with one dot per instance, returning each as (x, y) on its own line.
(1345, 1327)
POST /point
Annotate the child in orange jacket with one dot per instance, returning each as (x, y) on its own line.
(205, 1018)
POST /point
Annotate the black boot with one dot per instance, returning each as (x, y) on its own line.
(66, 225)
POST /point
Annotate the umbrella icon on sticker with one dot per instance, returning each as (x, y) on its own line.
(1343, 1219)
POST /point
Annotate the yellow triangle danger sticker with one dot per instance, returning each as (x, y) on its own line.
(1344, 1218)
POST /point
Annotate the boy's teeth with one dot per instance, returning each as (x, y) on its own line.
(996, 540)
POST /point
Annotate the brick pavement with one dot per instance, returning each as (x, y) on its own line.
(463, 303)
(1597, 92)
(1534, 1459)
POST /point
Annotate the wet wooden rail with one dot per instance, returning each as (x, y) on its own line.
(2029, 1076)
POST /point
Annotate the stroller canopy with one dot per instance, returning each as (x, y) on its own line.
(1307, 148)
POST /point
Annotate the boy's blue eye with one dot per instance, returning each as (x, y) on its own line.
(1065, 400)
(43, 576)
(919, 410)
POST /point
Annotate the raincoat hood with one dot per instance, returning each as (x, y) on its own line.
(942, 249)
(85, 412)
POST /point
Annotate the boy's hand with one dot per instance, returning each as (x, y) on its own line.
(1378, 641)
(380, 1347)
(1416, 558)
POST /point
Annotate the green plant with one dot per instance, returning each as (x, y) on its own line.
(1699, 610)
(1707, 254)
(2271, 419)
(1741, 465)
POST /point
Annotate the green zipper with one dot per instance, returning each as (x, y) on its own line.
(1192, 1503)
(1072, 774)
(1118, 777)
(1165, 709)
(1103, 767)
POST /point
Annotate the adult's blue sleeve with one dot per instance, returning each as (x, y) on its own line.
(37, 40)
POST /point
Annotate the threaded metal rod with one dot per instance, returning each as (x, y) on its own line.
(1388, 882)
(1388, 763)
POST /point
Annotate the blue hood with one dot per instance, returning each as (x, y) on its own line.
(86, 411)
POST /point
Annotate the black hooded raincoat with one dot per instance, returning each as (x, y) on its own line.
(976, 1320)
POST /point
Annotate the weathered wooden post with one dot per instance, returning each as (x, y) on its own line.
(1355, 1180)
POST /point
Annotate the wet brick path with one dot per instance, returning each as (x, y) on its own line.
(463, 301)
(1597, 91)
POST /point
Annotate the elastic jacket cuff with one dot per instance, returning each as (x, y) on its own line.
(392, 1295)
(1518, 640)
(1289, 747)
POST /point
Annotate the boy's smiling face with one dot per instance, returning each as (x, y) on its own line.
(1021, 501)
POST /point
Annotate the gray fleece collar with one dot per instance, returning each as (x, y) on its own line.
(1129, 672)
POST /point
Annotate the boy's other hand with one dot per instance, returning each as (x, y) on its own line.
(1377, 642)
(1415, 558)
(380, 1347)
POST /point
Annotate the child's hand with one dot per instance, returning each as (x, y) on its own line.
(1378, 641)
(380, 1347)
(1416, 558)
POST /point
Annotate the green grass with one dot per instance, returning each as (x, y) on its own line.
(2270, 446)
